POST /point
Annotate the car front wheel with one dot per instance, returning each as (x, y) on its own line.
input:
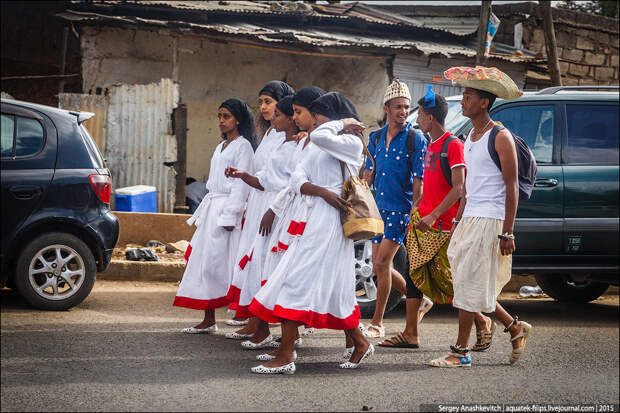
(366, 280)
(566, 288)
(55, 271)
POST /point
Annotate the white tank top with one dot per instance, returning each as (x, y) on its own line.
(486, 190)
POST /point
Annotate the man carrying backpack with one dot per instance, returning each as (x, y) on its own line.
(429, 233)
(482, 242)
(398, 151)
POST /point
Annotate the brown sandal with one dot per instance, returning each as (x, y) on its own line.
(398, 341)
(484, 338)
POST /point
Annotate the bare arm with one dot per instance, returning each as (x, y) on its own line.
(368, 177)
(457, 191)
(245, 177)
(330, 197)
(505, 147)
(417, 192)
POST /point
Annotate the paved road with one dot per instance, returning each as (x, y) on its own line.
(122, 350)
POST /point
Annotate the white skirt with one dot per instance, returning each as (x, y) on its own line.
(479, 270)
(210, 258)
(314, 281)
(249, 255)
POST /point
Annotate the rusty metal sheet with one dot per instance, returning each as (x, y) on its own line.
(97, 104)
(140, 137)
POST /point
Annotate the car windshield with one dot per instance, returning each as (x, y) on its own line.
(455, 119)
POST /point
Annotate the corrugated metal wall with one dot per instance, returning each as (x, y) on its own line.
(140, 137)
(98, 104)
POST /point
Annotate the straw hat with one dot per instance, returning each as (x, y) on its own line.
(489, 79)
(396, 89)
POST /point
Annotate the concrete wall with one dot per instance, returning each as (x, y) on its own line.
(210, 72)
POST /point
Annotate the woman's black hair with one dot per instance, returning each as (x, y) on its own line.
(307, 95)
(277, 90)
(285, 105)
(241, 111)
(483, 94)
(335, 106)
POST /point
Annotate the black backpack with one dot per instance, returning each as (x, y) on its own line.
(525, 159)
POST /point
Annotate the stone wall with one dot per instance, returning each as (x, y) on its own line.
(587, 47)
(210, 72)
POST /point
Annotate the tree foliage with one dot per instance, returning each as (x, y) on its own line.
(608, 8)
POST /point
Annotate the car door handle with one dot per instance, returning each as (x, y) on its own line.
(25, 192)
(546, 182)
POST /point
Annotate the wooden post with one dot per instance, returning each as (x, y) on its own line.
(485, 12)
(550, 44)
(63, 59)
(179, 116)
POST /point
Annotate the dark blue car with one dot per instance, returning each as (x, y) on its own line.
(57, 227)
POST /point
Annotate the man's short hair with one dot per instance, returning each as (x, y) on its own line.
(483, 94)
(439, 111)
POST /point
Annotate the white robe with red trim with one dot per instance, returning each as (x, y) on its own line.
(314, 282)
(257, 204)
(210, 255)
(273, 178)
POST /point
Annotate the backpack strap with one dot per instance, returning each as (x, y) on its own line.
(491, 145)
(411, 147)
(444, 162)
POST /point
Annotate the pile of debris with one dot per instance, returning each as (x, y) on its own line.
(153, 250)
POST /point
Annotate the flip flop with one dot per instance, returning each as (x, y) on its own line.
(398, 341)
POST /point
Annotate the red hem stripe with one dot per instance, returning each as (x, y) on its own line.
(233, 296)
(243, 311)
(309, 318)
(196, 304)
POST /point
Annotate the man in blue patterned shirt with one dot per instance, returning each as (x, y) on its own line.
(398, 151)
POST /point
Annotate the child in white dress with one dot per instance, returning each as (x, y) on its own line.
(213, 246)
(271, 180)
(258, 200)
(314, 282)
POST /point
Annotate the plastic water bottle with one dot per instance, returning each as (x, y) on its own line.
(530, 291)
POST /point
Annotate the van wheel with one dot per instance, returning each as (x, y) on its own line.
(55, 271)
(366, 280)
(565, 288)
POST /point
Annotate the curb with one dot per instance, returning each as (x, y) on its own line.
(124, 270)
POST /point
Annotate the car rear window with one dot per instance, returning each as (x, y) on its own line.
(21, 136)
(92, 148)
(592, 134)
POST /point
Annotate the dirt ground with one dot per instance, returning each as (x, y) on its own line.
(164, 256)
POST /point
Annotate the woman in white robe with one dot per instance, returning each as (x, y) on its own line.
(258, 200)
(270, 180)
(210, 255)
(314, 282)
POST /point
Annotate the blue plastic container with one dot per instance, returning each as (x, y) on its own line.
(139, 198)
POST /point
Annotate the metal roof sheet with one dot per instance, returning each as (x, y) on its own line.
(310, 37)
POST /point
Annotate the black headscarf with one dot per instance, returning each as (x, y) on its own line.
(335, 106)
(285, 105)
(277, 90)
(241, 111)
(307, 95)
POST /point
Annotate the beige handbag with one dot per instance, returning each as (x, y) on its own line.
(362, 220)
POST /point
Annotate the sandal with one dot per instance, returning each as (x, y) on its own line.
(524, 332)
(425, 307)
(398, 341)
(484, 338)
(464, 361)
(380, 331)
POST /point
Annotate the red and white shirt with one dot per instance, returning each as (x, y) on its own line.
(436, 186)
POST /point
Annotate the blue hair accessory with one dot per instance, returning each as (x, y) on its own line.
(429, 98)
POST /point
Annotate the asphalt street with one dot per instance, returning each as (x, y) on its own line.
(122, 350)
